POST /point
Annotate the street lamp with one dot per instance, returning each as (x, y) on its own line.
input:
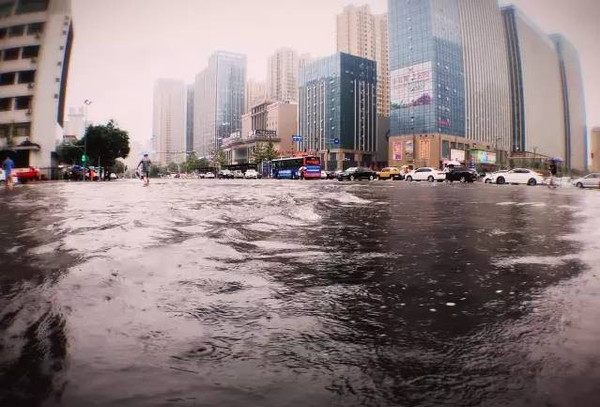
(86, 104)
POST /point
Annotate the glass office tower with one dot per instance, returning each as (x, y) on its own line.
(426, 68)
(338, 109)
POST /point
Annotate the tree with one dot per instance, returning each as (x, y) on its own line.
(119, 167)
(265, 152)
(105, 143)
(193, 163)
(173, 167)
(218, 158)
(70, 153)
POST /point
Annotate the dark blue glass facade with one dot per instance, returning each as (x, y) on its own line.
(338, 104)
(426, 67)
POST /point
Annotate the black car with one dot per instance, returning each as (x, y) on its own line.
(462, 174)
(357, 173)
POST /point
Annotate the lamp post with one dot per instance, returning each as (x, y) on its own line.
(86, 104)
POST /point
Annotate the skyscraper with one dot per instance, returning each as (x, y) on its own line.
(282, 76)
(256, 91)
(538, 121)
(427, 83)
(487, 85)
(168, 125)
(189, 120)
(36, 39)
(338, 110)
(573, 104)
(595, 149)
(219, 101)
(363, 34)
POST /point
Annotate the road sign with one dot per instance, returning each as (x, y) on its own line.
(297, 138)
(336, 141)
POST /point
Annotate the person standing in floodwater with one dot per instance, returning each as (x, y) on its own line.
(145, 164)
(7, 166)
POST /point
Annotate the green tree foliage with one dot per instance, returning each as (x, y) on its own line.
(265, 152)
(105, 143)
(193, 163)
(119, 167)
(218, 158)
(70, 153)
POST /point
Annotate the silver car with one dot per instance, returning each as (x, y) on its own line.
(589, 181)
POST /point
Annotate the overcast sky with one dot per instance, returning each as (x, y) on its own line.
(122, 46)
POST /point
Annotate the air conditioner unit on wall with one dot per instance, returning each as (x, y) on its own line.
(31, 85)
(33, 60)
(28, 112)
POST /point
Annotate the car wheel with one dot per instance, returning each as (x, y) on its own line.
(532, 182)
(409, 178)
(488, 181)
(579, 185)
(352, 178)
(500, 181)
(430, 178)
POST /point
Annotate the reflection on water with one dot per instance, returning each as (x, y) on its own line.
(298, 293)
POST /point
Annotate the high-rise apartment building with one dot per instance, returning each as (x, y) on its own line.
(486, 77)
(168, 124)
(573, 104)
(189, 119)
(538, 118)
(256, 92)
(363, 34)
(338, 110)
(35, 47)
(595, 149)
(282, 75)
(219, 101)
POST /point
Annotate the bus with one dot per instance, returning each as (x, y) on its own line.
(307, 167)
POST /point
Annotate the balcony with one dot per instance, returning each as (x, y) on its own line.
(15, 116)
(21, 89)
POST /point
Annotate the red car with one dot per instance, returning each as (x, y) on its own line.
(27, 174)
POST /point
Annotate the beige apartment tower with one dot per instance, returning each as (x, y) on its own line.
(168, 125)
(363, 34)
(256, 92)
(595, 149)
(282, 76)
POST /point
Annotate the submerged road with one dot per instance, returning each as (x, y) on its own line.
(282, 293)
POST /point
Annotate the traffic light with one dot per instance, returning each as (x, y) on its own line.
(84, 158)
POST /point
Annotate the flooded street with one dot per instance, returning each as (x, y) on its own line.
(283, 293)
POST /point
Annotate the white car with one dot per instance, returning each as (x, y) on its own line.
(589, 181)
(492, 175)
(518, 176)
(2, 175)
(209, 175)
(238, 174)
(251, 174)
(426, 174)
(323, 175)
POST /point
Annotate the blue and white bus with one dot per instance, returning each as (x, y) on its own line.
(306, 167)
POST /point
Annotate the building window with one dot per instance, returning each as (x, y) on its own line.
(30, 52)
(16, 31)
(6, 8)
(11, 54)
(5, 104)
(23, 102)
(32, 6)
(4, 130)
(3, 32)
(35, 28)
(26, 76)
(7, 79)
(23, 130)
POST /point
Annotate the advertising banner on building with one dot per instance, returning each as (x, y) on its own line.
(409, 149)
(483, 157)
(412, 86)
(424, 149)
(457, 155)
(397, 150)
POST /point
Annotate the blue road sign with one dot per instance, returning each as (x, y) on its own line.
(336, 141)
(297, 138)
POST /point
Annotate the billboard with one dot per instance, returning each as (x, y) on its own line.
(457, 155)
(483, 157)
(397, 150)
(412, 86)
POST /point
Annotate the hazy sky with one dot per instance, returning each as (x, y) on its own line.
(122, 46)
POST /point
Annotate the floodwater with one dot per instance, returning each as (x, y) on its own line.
(291, 293)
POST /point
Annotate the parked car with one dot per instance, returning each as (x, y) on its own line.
(27, 174)
(589, 181)
(324, 175)
(251, 174)
(426, 174)
(519, 176)
(2, 175)
(462, 174)
(487, 178)
(238, 174)
(390, 173)
(224, 174)
(357, 173)
(209, 175)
